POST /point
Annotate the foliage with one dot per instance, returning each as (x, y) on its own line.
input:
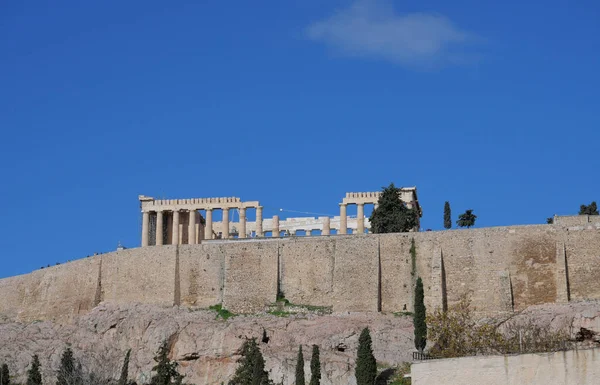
(366, 365)
(223, 313)
(34, 377)
(315, 366)
(413, 257)
(4, 375)
(447, 216)
(398, 378)
(68, 373)
(419, 319)
(300, 379)
(125, 369)
(166, 371)
(251, 369)
(591, 209)
(467, 219)
(550, 220)
(456, 333)
(391, 214)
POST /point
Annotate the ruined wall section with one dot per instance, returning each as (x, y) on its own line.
(307, 270)
(583, 263)
(60, 292)
(251, 275)
(145, 275)
(201, 274)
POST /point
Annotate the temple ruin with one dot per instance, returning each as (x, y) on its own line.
(181, 221)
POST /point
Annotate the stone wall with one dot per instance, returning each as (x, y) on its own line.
(501, 269)
(575, 367)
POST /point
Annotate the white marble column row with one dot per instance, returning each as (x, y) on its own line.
(192, 222)
(360, 218)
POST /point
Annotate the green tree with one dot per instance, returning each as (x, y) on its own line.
(166, 370)
(467, 219)
(251, 369)
(591, 209)
(4, 375)
(419, 316)
(366, 365)
(125, 370)
(550, 220)
(300, 379)
(315, 366)
(67, 374)
(447, 216)
(391, 214)
(34, 377)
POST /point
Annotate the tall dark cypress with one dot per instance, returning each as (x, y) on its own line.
(66, 372)
(366, 365)
(447, 216)
(125, 370)
(300, 379)
(34, 377)
(315, 367)
(419, 317)
(4, 375)
(251, 369)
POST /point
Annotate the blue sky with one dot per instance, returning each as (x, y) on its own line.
(493, 106)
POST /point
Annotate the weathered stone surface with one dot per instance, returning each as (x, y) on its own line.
(205, 347)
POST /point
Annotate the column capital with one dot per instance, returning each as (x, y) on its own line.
(343, 204)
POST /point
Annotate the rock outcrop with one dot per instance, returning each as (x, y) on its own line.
(205, 347)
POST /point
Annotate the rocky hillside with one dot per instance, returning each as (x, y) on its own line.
(205, 346)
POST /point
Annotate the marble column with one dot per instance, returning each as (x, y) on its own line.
(275, 226)
(326, 226)
(175, 231)
(192, 228)
(145, 225)
(307, 233)
(159, 228)
(208, 230)
(360, 218)
(259, 229)
(343, 220)
(242, 223)
(225, 223)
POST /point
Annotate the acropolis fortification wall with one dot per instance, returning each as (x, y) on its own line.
(501, 269)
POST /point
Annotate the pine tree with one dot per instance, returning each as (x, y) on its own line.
(125, 370)
(4, 375)
(366, 365)
(66, 372)
(315, 366)
(391, 214)
(34, 377)
(467, 219)
(300, 379)
(591, 209)
(165, 370)
(251, 369)
(447, 216)
(419, 323)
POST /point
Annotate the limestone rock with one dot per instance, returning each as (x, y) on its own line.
(206, 348)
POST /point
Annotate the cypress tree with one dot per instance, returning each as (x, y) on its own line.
(251, 369)
(419, 317)
(66, 372)
(34, 377)
(164, 368)
(366, 365)
(447, 216)
(125, 370)
(315, 367)
(300, 379)
(391, 214)
(5, 375)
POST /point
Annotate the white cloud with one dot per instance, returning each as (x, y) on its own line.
(372, 28)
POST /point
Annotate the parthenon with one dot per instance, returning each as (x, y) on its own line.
(180, 221)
